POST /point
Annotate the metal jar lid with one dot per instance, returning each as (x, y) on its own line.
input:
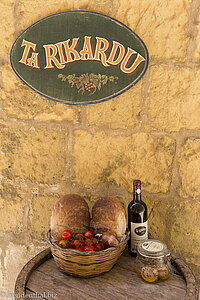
(153, 249)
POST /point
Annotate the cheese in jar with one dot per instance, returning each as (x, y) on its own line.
(153, 261)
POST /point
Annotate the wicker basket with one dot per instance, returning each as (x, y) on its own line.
(86, 264)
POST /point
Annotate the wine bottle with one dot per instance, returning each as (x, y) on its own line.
(137, 219)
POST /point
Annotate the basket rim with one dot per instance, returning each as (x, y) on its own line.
(87, 253)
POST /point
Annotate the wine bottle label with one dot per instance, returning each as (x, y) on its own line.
(139, 232)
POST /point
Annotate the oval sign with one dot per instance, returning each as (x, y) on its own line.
(79, 57)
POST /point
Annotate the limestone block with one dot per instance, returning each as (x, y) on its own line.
(3, 161)
(40, 215)
(174, 98)
(6, 32)
(11, 216)
(162, 26)
(1, 280)
(35, 154)
(122, 112)
(12, 205)
(107, 7)
(196, 54)
(104, 158)
(189, 160)
(33, 11)
(159, 219)
(13, 190)
(21, 102)
(16, 257)
(185, 234)
(1, 273)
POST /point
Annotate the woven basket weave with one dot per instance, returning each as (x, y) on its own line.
(86, 264)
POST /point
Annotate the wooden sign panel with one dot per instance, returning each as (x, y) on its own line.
(79, 57)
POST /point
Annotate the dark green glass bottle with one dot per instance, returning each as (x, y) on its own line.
(137, 219)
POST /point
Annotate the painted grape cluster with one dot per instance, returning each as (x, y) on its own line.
(89, 86)
(89, 83)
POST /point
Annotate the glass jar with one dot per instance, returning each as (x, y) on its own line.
(153, 261)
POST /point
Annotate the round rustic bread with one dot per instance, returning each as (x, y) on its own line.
(70, 212)
(108, 214)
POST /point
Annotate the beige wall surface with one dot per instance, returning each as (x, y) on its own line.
(151, 132)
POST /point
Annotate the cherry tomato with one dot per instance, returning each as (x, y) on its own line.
(73, 235)
(76, 242)
(89, 242)
(80, 249)
(79, 236)
(94, 241)
(66, 235)
(79, 244)
(99, 246)
(63, 244)
(71, 244)
(89, 248)
(88, 234)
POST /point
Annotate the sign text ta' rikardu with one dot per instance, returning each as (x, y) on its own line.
(60, 54)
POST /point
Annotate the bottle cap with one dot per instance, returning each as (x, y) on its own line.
(153, 249)
(137, 182)
(137, 185)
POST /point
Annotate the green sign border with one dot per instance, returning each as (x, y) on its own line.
(115, 94)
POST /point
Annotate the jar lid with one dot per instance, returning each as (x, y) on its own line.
(153, 249)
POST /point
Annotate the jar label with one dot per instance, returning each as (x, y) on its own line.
(139, 232)
(152, 246)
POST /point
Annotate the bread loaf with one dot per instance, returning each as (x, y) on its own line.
(108, 214)
(70, 212)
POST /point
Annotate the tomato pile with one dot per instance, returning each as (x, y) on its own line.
(80, 242)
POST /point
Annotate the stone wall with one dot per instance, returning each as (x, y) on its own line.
(151, 132)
